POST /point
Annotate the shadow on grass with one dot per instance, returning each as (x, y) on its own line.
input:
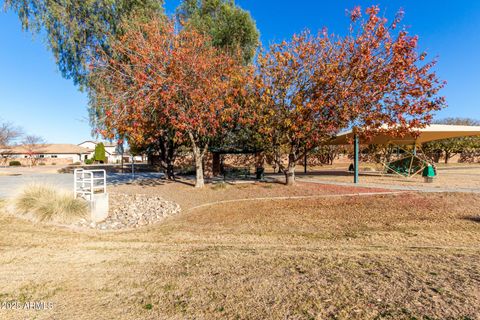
(338, 173)
(472, 218)
(159, 182)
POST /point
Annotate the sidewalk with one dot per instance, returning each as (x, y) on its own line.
(12, 184)
(425, 188)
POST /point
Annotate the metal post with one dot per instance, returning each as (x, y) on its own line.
(415, 149)
(75, 183)
(133, 167)
(104, 181)
(83, 180)
(92, 189)
(355, 158)
(121, 161)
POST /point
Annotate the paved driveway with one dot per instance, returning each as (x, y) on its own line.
(10, 185)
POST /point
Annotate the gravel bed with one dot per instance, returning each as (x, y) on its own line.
(134, 211)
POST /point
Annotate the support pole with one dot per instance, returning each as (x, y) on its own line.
(355, 158)
(133, 167)
(121, 160)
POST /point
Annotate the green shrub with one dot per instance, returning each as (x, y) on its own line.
(99, 154)
(14, 163)
(77, 163)
(45, 203)
(88, 161)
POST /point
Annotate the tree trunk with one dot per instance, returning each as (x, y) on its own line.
(198, 158)
(197, 154)
(290, 172)
(170, 160)
(305, 162)
(447, 157)
(216, 164)
(166, 149)
(436, 156)
(170, 172)
(278, 160)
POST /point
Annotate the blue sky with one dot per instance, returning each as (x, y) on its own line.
(33, 94)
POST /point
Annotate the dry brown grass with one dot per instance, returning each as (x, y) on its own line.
(45, 203)
(189, 197)
(384, 257)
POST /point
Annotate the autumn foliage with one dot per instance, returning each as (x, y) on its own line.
(166, 83)
(389, 84)
(296, 113)
(372, 80)
(173, 86)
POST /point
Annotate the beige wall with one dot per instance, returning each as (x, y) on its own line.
(27, 162)
(47, 159)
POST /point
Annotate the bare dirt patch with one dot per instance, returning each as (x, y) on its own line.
(411, 256)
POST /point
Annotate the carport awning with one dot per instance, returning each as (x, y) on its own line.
(430, 133)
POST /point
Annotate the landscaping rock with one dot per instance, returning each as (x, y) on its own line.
(134, 211)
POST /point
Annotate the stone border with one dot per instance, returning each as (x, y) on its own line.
(134, 211)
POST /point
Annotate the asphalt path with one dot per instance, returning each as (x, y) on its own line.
(10, 185)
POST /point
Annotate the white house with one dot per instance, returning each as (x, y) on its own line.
(110, 150)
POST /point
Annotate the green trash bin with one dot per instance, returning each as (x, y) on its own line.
(428, 173)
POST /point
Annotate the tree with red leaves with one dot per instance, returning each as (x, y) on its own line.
(163, 84)
(294, 112)
(385, 84)
(371, 80)
(166, 84)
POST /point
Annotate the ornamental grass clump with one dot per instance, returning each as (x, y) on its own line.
(46, 203)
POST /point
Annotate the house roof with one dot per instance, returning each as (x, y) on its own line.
(48, 149)
(106, 144)
(430, 133)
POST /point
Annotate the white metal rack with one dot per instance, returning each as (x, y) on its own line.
(91, 185)
(89, 182)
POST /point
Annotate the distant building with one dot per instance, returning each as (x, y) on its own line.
(110, 150)
(48, 153)
(63, 153)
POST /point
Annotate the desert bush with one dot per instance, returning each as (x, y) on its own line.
(14, 163)
(219, 186)
(54, 163)
(41, 164)
(45, 203)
